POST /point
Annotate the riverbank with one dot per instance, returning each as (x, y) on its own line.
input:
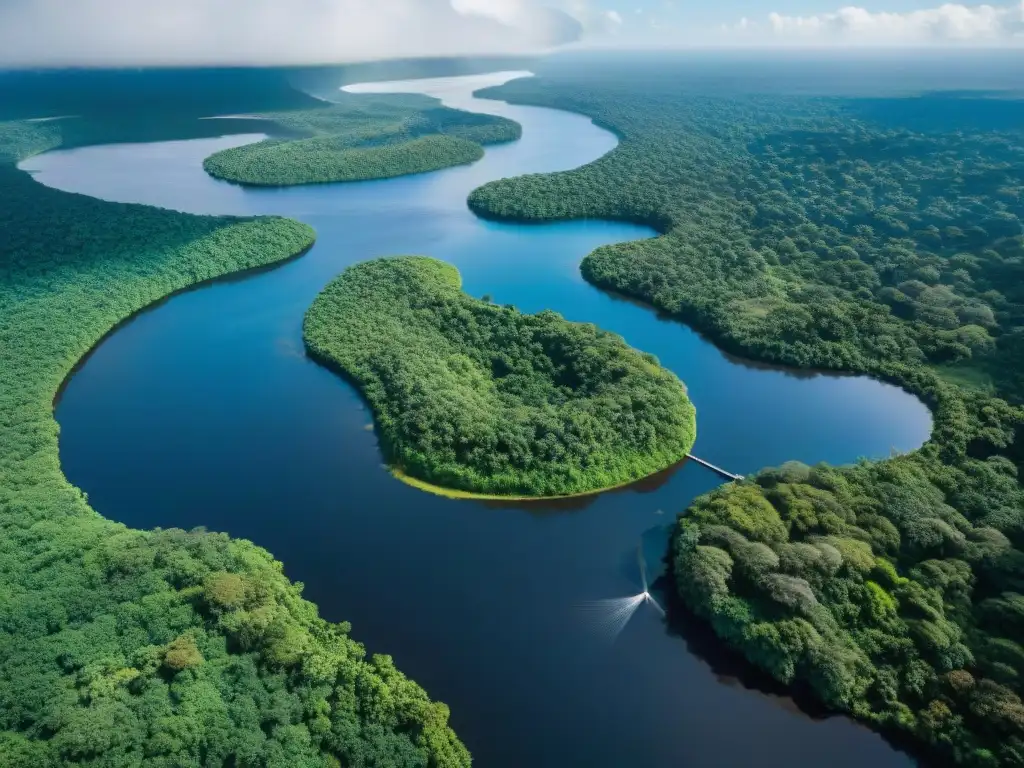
(206, 413)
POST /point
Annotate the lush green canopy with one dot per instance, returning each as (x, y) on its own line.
(165, 648)
(478, 397)
(808, 231)
(362, 137)
(892, 589)
(880, 236)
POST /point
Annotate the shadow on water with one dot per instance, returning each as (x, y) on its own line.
(728, 666)
(732, 669)
(649, 484)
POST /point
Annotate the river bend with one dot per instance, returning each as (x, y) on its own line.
(204, 411)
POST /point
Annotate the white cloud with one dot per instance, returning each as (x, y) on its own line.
(595, 22)
(139, 32)
(515, 14)
(505, 11)
(948, 24)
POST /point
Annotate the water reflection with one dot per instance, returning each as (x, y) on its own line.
(649, 484)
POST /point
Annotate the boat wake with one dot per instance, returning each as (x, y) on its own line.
(610, 616)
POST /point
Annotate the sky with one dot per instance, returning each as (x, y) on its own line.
(789, 23)
(37, 33)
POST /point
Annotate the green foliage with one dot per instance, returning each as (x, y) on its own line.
(362, 137)
(181, 653)
(884, 622)
(828, 233)
(321, 160)
(162, 648)
(794, 229)
(477, 397)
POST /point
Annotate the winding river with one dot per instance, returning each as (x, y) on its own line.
(204, 411)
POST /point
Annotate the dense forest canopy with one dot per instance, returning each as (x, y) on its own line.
(361, 137)
(478, 397)
(162, 648)
(854, 233)
(807, 222)
(893, 589)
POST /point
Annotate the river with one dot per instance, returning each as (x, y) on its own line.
(204, 411)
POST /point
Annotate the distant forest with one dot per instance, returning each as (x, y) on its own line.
(170, 647)
(477, 397)
(352, 137)
(362, 136)
(858, 233)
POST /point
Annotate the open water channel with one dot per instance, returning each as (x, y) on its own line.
(204, 411)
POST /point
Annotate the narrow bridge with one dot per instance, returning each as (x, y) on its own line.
(713, 468)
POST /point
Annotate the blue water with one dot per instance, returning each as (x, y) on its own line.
(205, 412)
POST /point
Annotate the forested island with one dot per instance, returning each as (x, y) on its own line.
(166, 647)
(361, 137)
(480, 398)
(866, 235)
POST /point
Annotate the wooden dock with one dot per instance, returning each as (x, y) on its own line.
(713, 468)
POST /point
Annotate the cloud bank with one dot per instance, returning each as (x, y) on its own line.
(163, 32)
(949, 24)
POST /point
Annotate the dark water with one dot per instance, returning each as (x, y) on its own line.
(205, 411)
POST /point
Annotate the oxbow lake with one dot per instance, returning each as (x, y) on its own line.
(204, 411)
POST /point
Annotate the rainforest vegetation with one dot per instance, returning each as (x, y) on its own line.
(473, 396)
(363, 136)
(870, 235)
(167, 647)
